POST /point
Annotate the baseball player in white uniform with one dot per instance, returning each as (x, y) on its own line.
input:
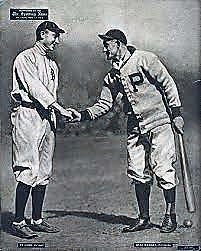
(149, 95)
(35, 82)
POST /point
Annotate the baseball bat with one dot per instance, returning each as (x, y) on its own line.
(186, 176)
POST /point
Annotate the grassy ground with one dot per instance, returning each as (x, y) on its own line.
(90, 198)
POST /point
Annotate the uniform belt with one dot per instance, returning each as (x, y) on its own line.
(40, 109)
(44, 113)
(28, 104)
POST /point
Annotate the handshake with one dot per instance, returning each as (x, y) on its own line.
(71, 115)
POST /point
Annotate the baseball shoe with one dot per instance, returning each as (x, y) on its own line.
(169, 223)
(43, 227)
(139, 225)
(22, 231)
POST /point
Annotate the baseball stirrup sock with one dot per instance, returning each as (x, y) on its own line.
(22, 194)
(38, 195)
(170, 195)
(170, 198)
(142, 193)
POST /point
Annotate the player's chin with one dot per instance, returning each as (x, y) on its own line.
(108, 57)
(52, 47)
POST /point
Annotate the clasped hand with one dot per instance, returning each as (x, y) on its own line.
(75, 115)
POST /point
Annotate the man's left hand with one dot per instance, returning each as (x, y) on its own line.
(178, 123)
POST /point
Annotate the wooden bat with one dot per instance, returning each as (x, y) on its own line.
(186, 176)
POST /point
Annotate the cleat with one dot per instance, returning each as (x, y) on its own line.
(141, 224)
(43, 227)
(22, 231)
(169, 223)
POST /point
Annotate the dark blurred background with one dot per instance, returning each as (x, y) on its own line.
(171, 29)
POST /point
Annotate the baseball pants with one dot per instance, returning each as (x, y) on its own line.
(33, 147)
(153, 154)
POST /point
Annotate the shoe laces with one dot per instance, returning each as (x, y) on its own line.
(166, 219)
(44, 223)
(28, 229)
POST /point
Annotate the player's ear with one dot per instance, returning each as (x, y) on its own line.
(118, 43)
(42, 34)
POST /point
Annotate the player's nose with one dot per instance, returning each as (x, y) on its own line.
(104, 49)
(57, 40)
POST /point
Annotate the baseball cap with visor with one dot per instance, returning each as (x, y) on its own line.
(114, 34)
(49, 26)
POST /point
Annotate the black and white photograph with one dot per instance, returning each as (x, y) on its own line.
(100, 125)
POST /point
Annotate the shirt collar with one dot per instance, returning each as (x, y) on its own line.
(118, 65)
(124, 60)
(40, 48)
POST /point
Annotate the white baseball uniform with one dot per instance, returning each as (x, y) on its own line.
(143, 82)
(35, 82)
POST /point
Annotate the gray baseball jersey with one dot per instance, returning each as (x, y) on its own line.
(143, 82)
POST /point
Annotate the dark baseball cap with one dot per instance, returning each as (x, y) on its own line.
(49, 26)
(114, 34)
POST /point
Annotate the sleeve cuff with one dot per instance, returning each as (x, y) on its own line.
(50, 105)
(85, 115)
(176, 112)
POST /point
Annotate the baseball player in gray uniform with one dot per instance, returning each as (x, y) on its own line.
(149, 95)
(35, 82)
